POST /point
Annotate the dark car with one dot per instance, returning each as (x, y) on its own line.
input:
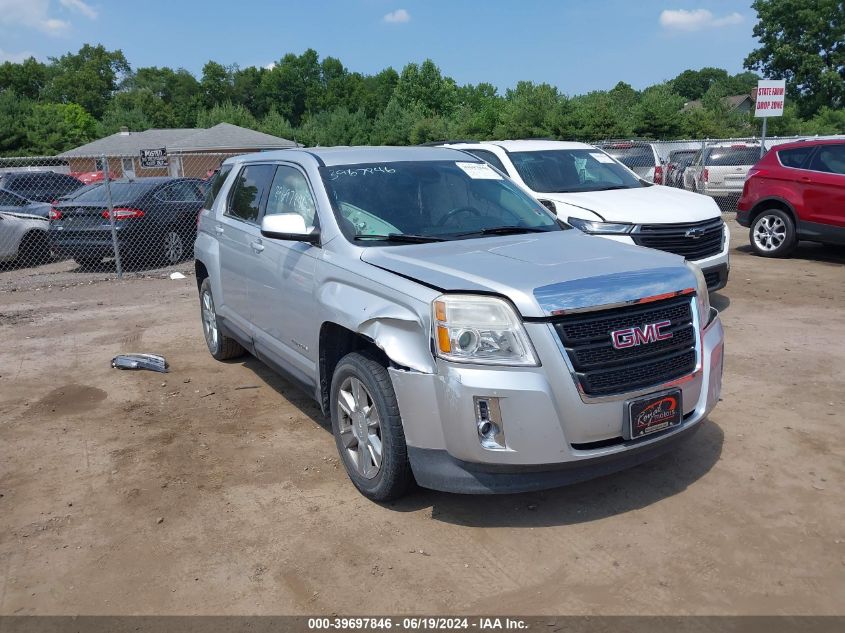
(39, 186)
(154, 218)
(795, 192)
(679, 160)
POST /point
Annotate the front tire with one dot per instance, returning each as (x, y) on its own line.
(34, 249)
(220, 346)
(367, 428)
(772, 234)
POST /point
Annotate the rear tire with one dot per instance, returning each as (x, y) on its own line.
(772, 234)
(172, 247)
(367, 427)
(219, 345)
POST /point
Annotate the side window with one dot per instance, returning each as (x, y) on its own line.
(488, 157)
(830, 159)
(216, 184)
(289, 193)
(248, 191)
(184, 191)
(794, 158)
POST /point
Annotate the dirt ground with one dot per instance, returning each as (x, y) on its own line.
(216, 488)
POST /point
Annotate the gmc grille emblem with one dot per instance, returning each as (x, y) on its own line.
(633, 336)
(694, 232)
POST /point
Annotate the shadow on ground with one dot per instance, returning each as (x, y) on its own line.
(619, 493)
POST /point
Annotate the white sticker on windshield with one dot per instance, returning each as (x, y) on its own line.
(602, 158)
(479, 171)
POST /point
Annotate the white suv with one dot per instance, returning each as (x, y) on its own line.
(591, 190)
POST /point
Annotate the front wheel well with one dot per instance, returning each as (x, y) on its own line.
(336, 342)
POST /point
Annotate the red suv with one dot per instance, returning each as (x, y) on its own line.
(795, 192)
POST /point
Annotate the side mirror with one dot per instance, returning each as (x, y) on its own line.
(288, 226)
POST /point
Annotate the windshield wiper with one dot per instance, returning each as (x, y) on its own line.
(610, 188)
(506, 230)
(406, 238)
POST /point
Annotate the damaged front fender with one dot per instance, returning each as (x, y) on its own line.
(399, 328)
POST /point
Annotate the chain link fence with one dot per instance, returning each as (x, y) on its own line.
(76, 220)
(82, 219)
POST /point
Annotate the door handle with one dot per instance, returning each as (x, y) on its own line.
(804, 179)
(257, 246)
(218, 229)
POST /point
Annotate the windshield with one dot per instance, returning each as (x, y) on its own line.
(430, 200)
(632, 156)
(572, 170)
(119, 191)
(723, 156)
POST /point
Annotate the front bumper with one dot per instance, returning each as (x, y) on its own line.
(554, 435)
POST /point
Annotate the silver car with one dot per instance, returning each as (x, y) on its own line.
(456, 333)
(719, 170)
(23, 229)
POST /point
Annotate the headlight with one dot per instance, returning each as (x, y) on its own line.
(480, 329)
(702, 295)
(601, 228)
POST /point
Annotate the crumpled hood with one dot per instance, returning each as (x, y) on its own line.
(646, 205)
(541, 274)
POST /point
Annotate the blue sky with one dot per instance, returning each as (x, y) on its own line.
(577, 45)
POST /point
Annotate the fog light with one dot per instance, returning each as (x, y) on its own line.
(488, 420)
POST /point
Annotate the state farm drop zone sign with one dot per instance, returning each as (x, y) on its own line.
(770, 97)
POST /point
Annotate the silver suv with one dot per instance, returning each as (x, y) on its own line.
(457, 333)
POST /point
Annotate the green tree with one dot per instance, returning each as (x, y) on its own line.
(116, 117)
(692, 84)
(424, 87)
(393, 126)
(293, 86)
(658, 113)
(227, 112)
(179, 89)
(336, 127)
(88, 78)
(13, 112)
(26, 79)
(217, 84)
(802, 42)
(55, 127)
(528, 111)
(277, 125)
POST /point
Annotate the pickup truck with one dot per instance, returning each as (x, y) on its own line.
(455, 331)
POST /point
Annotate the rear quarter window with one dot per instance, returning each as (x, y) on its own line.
(216, 184)
(795, 158)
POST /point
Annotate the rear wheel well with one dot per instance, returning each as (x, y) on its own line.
(336, 342)
(772, 203)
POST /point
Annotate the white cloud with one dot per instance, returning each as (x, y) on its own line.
(79, 5)
(696, 20)
(15, 58)
(397, 17)
(37, 14)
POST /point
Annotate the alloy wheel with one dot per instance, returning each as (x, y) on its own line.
(173, 248)
(360, 427)
(209, 321)
(769, 233)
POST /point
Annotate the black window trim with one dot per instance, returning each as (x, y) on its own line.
(261, 204)
(263, 210)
